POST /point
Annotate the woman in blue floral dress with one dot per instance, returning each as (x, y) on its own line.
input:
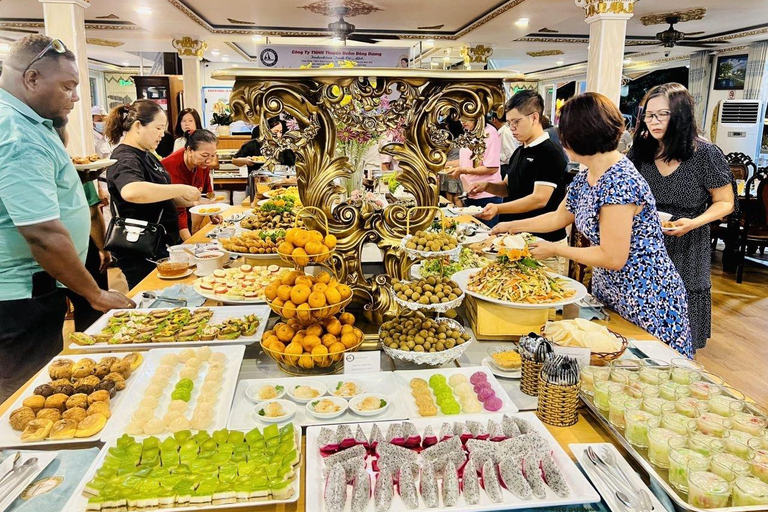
(613, 207)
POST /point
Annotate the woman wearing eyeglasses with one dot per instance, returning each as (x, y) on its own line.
(691, 180)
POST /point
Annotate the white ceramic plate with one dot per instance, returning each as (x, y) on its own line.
(180, 276)
(288, 407)
(342, 404)
(465, 210)
(462, 279)
(78, 502)
(208, 294)
(234, 355)
(221, 208)
(404, 378)
(505, 374)
(354, 404)
(10, 437)
(314, 384)
(219, 315)
(581, 490)
(252, 392)
(98, 164)
(241, 415)
(18, 486)
(332, 388)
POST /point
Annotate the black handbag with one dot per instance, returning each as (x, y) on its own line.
(134, 235)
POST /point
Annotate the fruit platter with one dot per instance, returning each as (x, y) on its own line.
(219, 469)
(453, 391)
(132, 329)
(306, 246)
(307, 298)
(181, 389)
(498, 463)
(351, 396)
(258, 244)
(240, 285)
(71, 400)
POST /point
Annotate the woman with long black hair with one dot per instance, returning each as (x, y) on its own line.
(691, 180)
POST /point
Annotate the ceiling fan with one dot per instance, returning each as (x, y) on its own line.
(670, 38)
(342, 30)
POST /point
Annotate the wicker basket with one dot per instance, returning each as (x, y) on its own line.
(529, 380)
(602, 358)
(558, 405)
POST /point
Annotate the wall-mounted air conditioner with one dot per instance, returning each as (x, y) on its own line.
(738, 127)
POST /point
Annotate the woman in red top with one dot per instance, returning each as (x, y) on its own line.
(191, 166)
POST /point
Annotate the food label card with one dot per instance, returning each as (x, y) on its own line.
(362, 362)
(582, 355)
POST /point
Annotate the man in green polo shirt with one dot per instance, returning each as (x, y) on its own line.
(44, 219)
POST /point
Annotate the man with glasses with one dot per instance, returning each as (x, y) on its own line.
(44, 216)
(535, 183)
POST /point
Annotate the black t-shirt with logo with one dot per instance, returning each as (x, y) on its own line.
(541, 163)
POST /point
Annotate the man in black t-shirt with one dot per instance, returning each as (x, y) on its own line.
(535, 183)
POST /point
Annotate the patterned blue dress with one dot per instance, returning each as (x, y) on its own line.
(648, 291)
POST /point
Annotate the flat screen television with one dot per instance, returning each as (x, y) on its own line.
(731, 72)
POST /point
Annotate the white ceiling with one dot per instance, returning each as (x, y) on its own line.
(481, 21)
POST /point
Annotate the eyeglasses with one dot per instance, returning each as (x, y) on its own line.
(56, 45)
(661, 116)
(514, 122)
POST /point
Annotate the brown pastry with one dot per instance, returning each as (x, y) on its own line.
(63, 429)
(49, 414)
(98, 396)
(108, 385)
(76, 413)
(91, 425)
(34, 402)
(65, 389)
(99, 408)
(44, 390)
(61, 369)
(20, 417)
(56, 401)
(77, 400)
(118, 379)
(108, 360)
(101, 370)
(60, 382)
(83, 368)
(135, 359)
(122, 367)
(86, 384)
(37, 430)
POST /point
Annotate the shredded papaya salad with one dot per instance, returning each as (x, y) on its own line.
(524, 280)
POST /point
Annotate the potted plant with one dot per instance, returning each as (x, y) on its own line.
(222, 117)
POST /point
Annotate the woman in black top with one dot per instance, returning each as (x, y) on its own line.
(691, 180)
(139, 186)
(252, 148)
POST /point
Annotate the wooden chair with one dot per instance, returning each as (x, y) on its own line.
(754, 232)
(741, 165)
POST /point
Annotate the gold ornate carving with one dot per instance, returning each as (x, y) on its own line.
(476, 54)
(686, 15)
(595, 7)
(354, 7)
(569, 40)
(544, 53)
(88, 25)
(104, 42)
(322, 101)
(240, 22)
(188, 47)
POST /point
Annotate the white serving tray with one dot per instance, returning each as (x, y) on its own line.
(579, 449)
(242, 415)
(43, 459)
(462, 279)
(234, 355)
(10, 437)
(581, 490)
(219, 314)
(78, 501)
(404, 378)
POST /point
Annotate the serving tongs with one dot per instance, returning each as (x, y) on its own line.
(171, 300)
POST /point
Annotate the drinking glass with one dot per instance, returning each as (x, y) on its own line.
(685, 371)
(658, 443)
(616, 403)
(680, 456)
(678, 423)
(589, 374)
(691, 407)
(752, 419)
(706, 489)
(748, 491)
(704, 444)
(729, 466)
(655, 375)
(725, 405)
(657, 406)
(704, 389)
(668, 390)
(636, 423)
(713, 425)
(602, 392)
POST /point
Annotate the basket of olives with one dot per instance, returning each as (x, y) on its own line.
(426, 244)
(424, 341)
(432, 293)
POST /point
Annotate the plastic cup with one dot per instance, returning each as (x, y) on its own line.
(658, 444)
(655, 375)
(706, 489)
(713, 425)
(601, 394)
(691, 407)
(725, 405)
(680, 457)
(729, 466)
(616, 408)
(704, 444)
(748, 491)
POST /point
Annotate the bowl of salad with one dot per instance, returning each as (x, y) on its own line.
(445, 268)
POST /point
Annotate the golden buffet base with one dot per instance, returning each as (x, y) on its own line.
(587, 430)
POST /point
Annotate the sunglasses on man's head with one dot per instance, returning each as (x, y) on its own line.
(56, 45)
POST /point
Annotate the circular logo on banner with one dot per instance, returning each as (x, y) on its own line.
(268, 57)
